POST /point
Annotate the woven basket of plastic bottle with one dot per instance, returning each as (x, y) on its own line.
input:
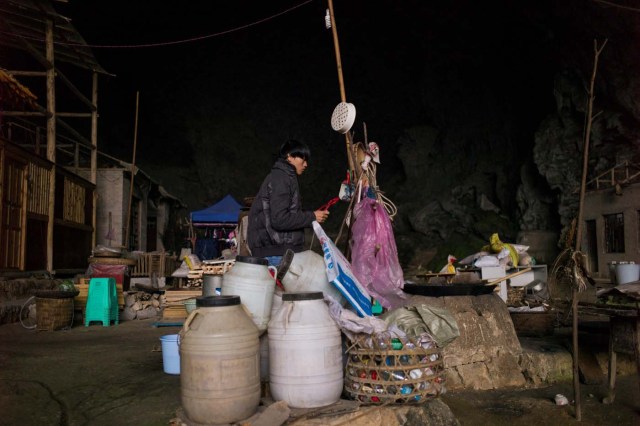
(398, 373)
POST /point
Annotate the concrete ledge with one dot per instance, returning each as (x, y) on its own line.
(544, 361)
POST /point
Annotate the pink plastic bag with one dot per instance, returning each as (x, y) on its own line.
(374, 256)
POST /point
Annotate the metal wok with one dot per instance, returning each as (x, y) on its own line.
(439, 290)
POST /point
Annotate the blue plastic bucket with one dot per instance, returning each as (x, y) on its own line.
(170, 354)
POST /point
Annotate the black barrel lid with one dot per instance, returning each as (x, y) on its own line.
(209, 301)
(302, 295)
(252, 260)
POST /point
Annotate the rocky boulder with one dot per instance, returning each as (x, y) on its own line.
(487, 353)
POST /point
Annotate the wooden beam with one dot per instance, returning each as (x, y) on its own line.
(47, 62)
(94, 156)
(76, 157)
(23, 220)
(77, 92)
(44, 113)
(75, 114)
(75, 133)
(28, 73)
(26, 114)
(51, 137)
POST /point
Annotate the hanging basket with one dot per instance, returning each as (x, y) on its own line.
(54, 313)
(397, 376)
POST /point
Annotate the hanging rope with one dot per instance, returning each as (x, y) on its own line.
(368, 178)
(365, 182)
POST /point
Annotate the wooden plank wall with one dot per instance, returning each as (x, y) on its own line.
(38, 189)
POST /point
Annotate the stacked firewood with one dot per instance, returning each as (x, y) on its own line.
(174, 306)
(142, 305)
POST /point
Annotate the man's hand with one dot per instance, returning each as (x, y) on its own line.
(321, 215)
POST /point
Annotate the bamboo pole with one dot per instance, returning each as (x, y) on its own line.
(343, 95)
(507, 277)
(574, 291)
(133, 166)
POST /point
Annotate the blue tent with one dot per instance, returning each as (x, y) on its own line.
(224, 211)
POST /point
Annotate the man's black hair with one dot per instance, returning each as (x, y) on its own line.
(295, 148)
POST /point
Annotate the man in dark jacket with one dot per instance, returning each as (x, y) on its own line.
(276, 218)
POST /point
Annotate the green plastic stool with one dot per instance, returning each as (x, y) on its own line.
(102, 302)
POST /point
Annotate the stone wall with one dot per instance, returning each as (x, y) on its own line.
(487, 353)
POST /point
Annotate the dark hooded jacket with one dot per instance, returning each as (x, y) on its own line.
(276, 218)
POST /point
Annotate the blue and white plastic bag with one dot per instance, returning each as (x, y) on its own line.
(340, 274)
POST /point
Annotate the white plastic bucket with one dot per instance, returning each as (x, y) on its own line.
(250, 279)
(627, 272)
(305, 352)
(170, 354)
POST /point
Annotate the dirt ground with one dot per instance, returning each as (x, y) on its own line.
(113, 376)
(537, 407)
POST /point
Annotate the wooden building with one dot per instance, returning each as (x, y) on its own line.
(47, 211)
(153, 209)
(612, 218)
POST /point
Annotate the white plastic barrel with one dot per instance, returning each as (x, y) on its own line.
(219, 362)
(305, 352)
(307, 272)
(627, 272)
(250, 279)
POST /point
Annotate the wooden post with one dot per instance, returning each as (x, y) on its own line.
(336, 47)
(343, 95)
(583, 185)
(94, 156)
(37, 139)
(51, 137)
(76, 156)
(133, 167)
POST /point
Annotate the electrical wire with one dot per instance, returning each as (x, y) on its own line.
(166, 43)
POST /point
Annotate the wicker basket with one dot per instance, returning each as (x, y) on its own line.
(401, 376)
(54, 314)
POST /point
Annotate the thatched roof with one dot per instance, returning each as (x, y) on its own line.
(14, 95)
(23, 27)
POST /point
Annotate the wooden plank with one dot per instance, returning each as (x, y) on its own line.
(340, 407)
